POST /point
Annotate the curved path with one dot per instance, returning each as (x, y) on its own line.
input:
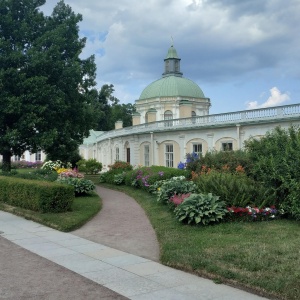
(121, 224)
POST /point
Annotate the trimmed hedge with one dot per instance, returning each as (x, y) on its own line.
(35, 195)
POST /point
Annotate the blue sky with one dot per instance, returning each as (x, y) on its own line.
(242, 53)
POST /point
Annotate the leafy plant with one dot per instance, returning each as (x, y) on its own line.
(201, 209)
(176, 185)
(123, 165)
(234, 189)
(90, 166)
(81, 185)
(276, 163)
(119, 178)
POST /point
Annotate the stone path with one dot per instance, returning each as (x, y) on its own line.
(38, 262)
(121, 224)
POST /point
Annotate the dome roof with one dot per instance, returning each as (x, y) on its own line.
(172, 86)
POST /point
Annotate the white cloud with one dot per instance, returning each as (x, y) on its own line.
(276, 98)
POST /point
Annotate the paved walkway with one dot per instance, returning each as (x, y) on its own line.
(121, 224)
(38, 262)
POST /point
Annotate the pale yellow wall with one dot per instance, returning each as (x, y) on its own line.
(136, 120)
(189, 145)
(161, 153)
(119, 125)
(218, 144)
(185, 111)
(151, 117)
(142, 152)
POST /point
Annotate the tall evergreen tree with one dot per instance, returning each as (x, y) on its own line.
(47, 98)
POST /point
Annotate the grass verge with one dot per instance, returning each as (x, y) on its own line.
(83, 209)
(262, 257)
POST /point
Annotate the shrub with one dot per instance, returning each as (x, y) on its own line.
(80, 185)
(38, 174)
(276, 163)
(119, 178)
(201, 209)
(146, 177)
(55, 165)
(36, 195)
(90, 166)
(109, 176)
(234, 189)
(121, 165)
(175, 186)
(218, 159)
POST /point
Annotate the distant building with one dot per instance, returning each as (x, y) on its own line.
(172, 119)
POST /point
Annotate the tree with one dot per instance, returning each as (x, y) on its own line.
(46, 90)
(112, 110)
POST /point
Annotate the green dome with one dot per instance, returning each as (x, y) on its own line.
(172, 86)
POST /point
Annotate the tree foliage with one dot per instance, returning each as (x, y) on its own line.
(276, 163)
(46, 90)
(112, 110)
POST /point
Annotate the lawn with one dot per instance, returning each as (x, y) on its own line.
(260, 256)
(83, 209)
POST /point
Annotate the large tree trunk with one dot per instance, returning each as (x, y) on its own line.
(6, 161)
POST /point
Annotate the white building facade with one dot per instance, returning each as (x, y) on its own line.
(173, 119)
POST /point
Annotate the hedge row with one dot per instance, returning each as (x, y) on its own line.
(39, 196)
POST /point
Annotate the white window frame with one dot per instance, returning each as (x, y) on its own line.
(38, 156)
(168, 115)
(169, 155)
(117, 153)
(227, 146)
(197, 148)
(147, 155)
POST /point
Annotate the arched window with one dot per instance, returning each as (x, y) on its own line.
(146, 118)
(168, 115)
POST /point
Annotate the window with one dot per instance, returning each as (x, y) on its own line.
(38, 156)
(168, 115)
(117, 153)
(146, 118)
(17, 158)
(197, 148)
(176, 66)
(169, 156)
(227, 146)
(167, 66)
(146, 155)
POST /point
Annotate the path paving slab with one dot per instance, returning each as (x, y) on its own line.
(43, 265)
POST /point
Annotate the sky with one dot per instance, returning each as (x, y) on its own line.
(244, 54)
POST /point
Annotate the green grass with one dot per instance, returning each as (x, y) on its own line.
(261, 256)
(83, 209)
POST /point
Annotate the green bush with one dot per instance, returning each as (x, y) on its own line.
(80, 185)
(121, 165)
(109, 176)
(119, 178)
(90, 166)
(201, 209)
(38, 174)
(175, 185)
(218, 159)
(234, 189)
(276, 163)
(36, 195)
(146, 177)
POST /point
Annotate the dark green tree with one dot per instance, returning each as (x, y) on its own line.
(46, 90)
(112, 110)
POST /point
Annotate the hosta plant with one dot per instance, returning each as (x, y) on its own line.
(175, 186)
(201, 209)
(81, 185)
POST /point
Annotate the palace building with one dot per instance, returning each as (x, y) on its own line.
(172, 119)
